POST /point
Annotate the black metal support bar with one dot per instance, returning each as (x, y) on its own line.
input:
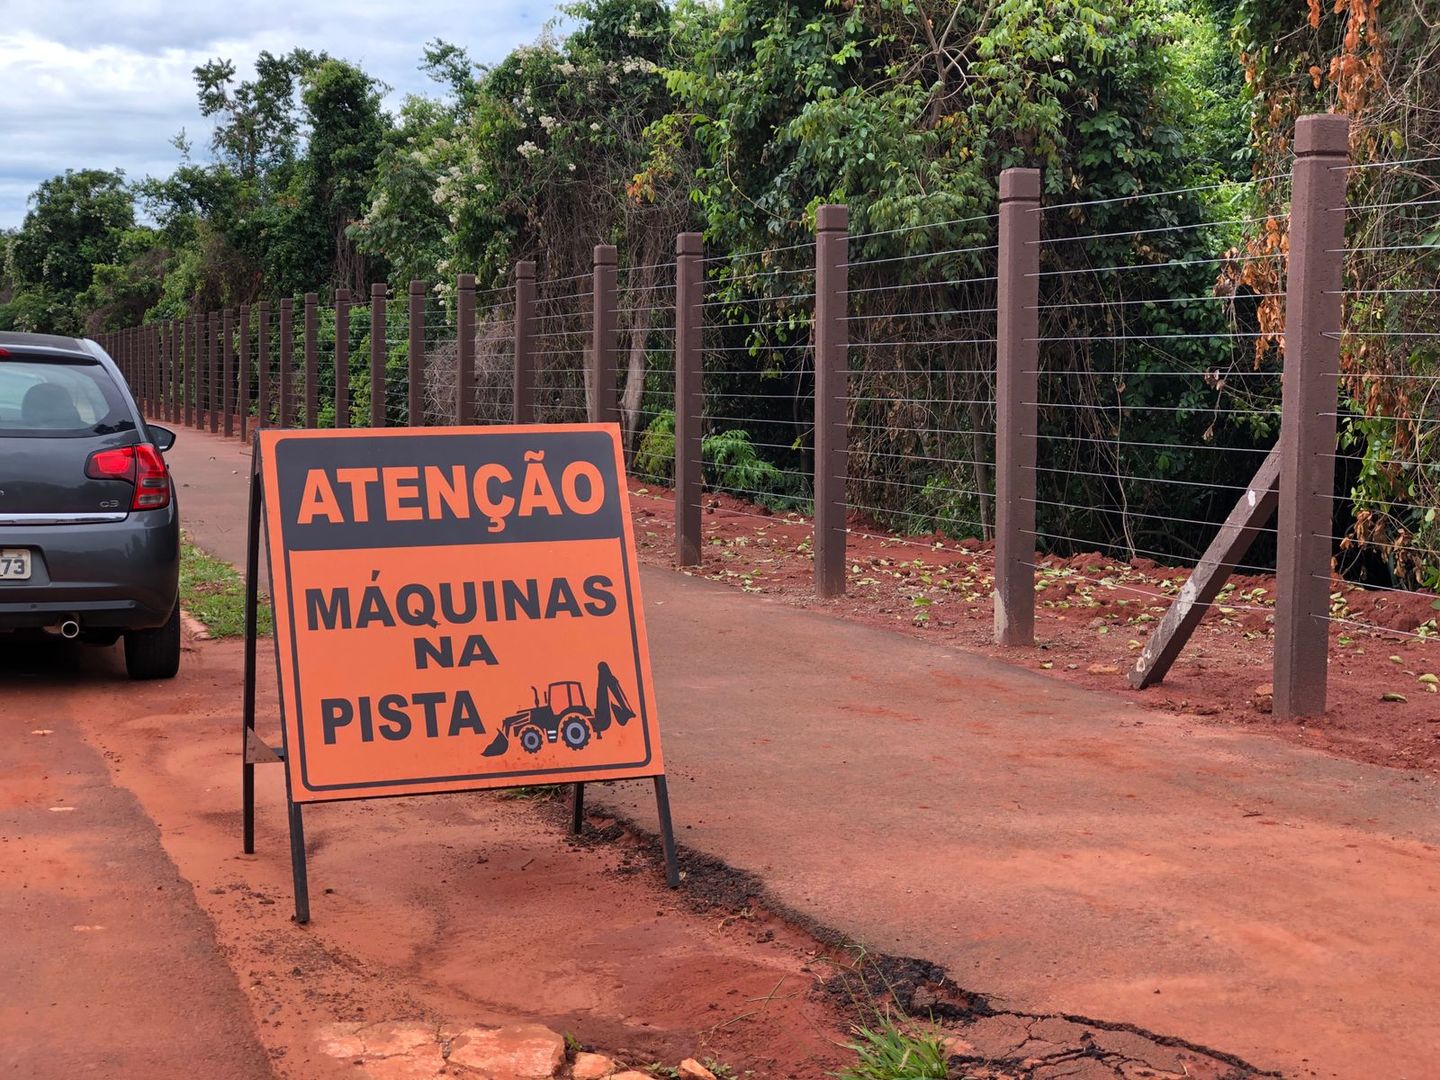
(252, 595)
(667, 832)
(577, 810)
(297, 864)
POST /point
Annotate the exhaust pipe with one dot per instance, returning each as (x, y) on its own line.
(69, 629)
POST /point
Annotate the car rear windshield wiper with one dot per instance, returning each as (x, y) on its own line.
(115, 428)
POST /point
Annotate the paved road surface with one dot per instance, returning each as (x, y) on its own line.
(109, 968)
(1053, 847)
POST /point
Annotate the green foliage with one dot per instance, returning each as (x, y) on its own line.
(732, 464)
(891, 1051)
(212, 591)
(655, 456)
(76, 220)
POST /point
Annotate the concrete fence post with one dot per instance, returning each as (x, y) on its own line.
(142, 362)
(604, 403)
(197, 366)
(342, 358)
(312, 360)
(227, 370)
(689, 394)
(177, 370)
(465, 349)
(262, 363)
(186, 344)
(212, 375)
(142, 369)
(415, 403)
(162, 370)
(523, 391)
(377, 354)
(154, 345)
(832, 365)
(243, 400)
(167, 372)
(1017, 382)
(1309, 404)
(286, 411)
(137, 365)
(157, 348)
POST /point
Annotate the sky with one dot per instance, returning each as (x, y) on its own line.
(107, 83)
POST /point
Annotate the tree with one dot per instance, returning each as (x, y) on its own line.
(76, 220)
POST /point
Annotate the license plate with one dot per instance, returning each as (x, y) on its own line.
(14, 564)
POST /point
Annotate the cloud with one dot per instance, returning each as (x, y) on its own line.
(108, 83)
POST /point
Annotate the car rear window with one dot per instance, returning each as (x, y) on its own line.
(59, 398)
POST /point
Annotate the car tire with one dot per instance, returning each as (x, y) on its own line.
(154, 654)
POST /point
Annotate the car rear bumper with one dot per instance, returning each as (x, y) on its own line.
(108, 576)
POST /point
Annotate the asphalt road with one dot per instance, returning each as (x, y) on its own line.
(1053, 847)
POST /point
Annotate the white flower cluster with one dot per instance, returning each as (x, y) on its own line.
(529, 150)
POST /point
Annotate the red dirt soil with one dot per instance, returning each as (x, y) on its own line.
(447, 912)
(1093, 614)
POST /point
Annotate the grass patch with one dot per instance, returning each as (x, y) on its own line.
(889, 1052)
(212, 591)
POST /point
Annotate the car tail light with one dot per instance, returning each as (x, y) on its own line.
(139, 465)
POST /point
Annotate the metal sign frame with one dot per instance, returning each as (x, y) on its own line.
(255, 751)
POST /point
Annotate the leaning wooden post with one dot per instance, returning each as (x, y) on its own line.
(243, 402)
(227, 370)
(523, 395)
(1017, 382)
(377, 354)
(262, 361)
(342, 358)
(832, 364)
(312, 361)
(465, 349)
(604, 404)
(415, 405)
(1309, 404)
(689, 395)
(287, 361)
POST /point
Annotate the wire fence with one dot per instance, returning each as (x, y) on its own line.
(1152, 393)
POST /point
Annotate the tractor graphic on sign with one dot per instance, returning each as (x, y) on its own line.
(564, 716)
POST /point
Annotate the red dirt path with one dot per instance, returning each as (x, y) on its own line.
(1092, 616)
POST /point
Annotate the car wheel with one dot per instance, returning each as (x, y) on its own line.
(154, 654)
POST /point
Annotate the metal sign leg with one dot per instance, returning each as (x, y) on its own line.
(667, 832)
(297, 865)
(252, 592)
(577, 810)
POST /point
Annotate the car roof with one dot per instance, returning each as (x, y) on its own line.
(51, 343)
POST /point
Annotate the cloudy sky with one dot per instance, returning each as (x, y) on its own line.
(107, 83)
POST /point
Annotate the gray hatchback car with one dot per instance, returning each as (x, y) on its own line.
(89, 529)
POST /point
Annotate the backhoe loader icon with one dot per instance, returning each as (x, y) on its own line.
(565, 716)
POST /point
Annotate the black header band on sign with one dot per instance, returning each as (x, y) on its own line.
(535, 463)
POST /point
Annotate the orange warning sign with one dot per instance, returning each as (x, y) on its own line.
(455, 608)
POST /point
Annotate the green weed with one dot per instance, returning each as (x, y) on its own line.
(212, 591)
(891, 1052)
